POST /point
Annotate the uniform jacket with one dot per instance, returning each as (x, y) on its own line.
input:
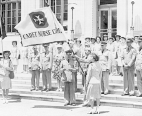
(34, 61)
(138, 63)
(47, 61)
(67, 74)
(104, 59)
(14, 52)
(129, 57)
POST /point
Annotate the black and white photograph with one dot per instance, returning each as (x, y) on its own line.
(70, 57)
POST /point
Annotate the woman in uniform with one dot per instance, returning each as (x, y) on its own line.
(6, 66)
(14, 55)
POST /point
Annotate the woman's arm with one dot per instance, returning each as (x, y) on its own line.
(10, 67)
(88, 77)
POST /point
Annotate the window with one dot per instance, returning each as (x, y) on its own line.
(60, 8)
(65, 10)
(103, 2)
(11, 11)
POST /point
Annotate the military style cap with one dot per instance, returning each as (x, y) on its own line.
(59, 46)
(35, 47)
(136, 36)
(105, 35)
(45, 44)
(87, 38)
(93, 38)
(111, 38)
(75, 38)
(129, 40)
(123, 38)
(117, 36)
(6, 51)
(103, 42)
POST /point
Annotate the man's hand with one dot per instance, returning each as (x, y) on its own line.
(126, 66)
(48, 69)
(107, 70)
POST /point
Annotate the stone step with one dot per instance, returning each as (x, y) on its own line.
(26, 89)
(117, 103)
(121, 98)
(54, 85)
(27, 77)
(110, 96)
(22, 84)
(104, 102)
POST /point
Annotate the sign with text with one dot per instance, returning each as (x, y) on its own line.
(40, 26)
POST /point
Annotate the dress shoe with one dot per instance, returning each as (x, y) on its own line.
(48, 90)
(124, 94)
(139, 95)
(105, 93)
(73, 104)
(32, 89)
(102, 92)
(66, 104)
(44, 89)
(37, 89)
(131, 94)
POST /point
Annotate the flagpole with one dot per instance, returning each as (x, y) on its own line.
(1, 27)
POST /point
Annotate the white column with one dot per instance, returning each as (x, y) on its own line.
(88, 18)
(122, 17)
(95, 18)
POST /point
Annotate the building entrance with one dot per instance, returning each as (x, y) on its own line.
(108, 21)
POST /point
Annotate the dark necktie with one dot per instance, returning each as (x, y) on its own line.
(102, 51)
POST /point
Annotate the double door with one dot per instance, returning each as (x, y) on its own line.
(107, 22)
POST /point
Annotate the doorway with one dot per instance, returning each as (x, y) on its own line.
(108, 21)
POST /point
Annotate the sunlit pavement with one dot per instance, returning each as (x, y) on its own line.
(17, 107)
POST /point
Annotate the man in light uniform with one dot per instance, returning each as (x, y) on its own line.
(138, 65)
(46, 66)
(68, 69)
(105, 64)
(34, 67)
(128, 62)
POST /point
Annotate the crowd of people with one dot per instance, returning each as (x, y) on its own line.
(95, 60)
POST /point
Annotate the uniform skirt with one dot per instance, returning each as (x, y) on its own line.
(14, 61)
(93, 92)
(6, 83)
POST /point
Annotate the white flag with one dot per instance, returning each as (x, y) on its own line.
(40, 26)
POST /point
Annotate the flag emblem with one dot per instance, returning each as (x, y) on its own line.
(39, 20)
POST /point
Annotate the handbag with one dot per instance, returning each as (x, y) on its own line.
(19, 56)
(11, 73)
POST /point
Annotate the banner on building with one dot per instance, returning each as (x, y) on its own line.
(40, 26)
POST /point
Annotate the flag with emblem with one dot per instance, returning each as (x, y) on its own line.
(2, 28)
(40, 26)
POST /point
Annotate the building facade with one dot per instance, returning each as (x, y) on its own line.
(87, 18)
